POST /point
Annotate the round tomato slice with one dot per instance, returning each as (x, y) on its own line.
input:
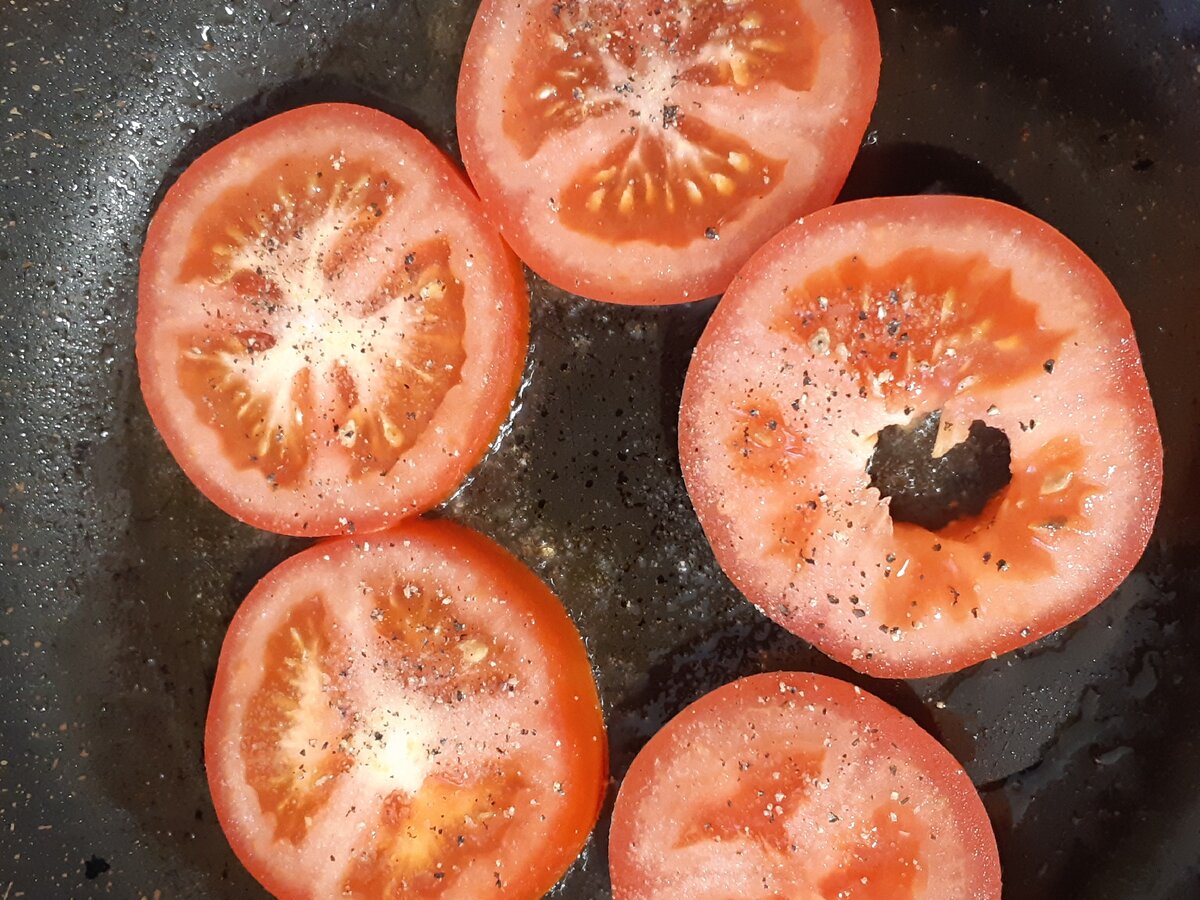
(917, 433)
(638, 151)
(329, 332)
(789, 785)
(411, 714)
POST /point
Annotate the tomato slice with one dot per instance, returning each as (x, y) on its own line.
(888, 316)
(638, 151)
(811, 788)
(407, 714)
(329, 332)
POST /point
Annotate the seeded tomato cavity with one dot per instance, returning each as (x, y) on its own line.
(917, 433)
(410, 714)
(615, 142)
(329, 333)
(812, 788)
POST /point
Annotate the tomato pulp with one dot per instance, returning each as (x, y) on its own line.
(329, 332)
(639, 151)
(408, 714)
(868, 325)
(811, 788)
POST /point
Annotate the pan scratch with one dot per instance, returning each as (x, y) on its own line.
(7, 891)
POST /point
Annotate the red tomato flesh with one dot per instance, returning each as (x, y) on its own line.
(407, 714)
(788, 785)
(329, 333)
(639, 151)
(878, 313)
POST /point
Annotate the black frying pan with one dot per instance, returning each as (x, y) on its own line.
(119, 578)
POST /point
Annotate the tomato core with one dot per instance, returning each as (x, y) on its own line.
(931, 489)
(310, 735)
(940, 325)
(297, 354)
(675, 175)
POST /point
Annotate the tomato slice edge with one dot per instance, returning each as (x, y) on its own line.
(600, 282)
(565, 653)
(921, 749)
(507, 342)
(721, 527)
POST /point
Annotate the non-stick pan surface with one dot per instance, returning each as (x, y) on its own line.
(118, 578)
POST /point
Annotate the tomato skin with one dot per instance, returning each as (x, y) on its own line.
(573, 711)
(640, 272)
(497, 337)
(760, 719)
(1100, 389)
